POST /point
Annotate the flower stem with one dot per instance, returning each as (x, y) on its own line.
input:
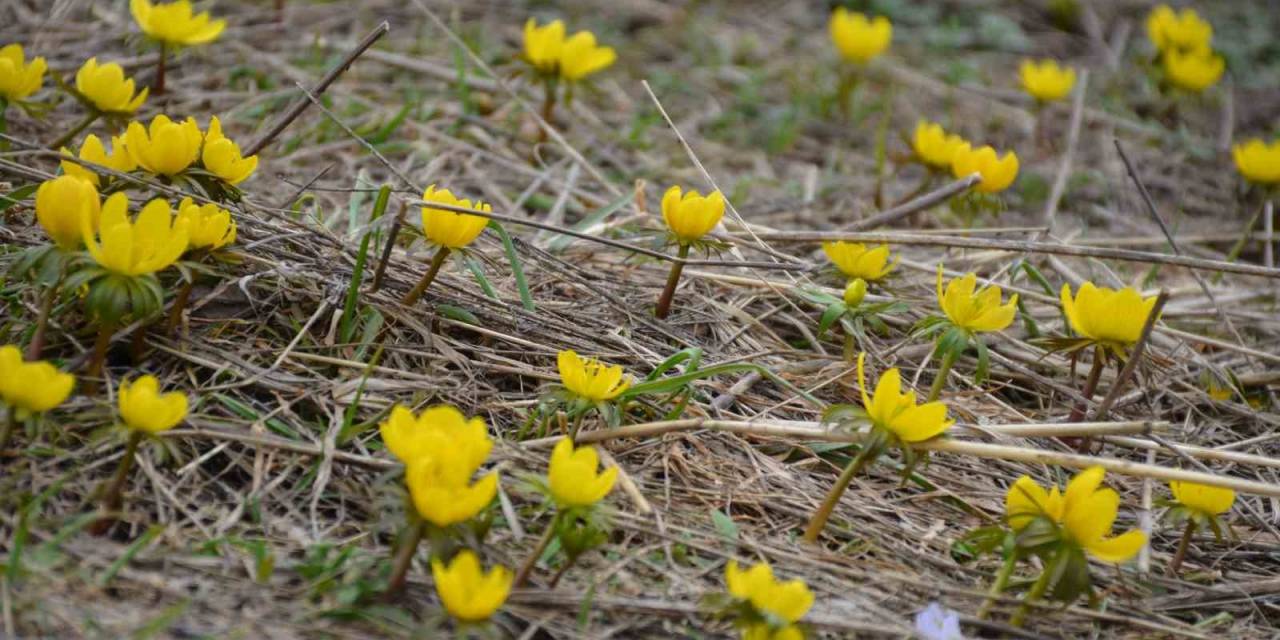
(179, 304)
(948, 360)
(1183, 543)
(577, 426)
(105, 331)
(1038, 589)
(407, 548)
(998, 586)
(70, 135)
(673, 279)
(428, 277)
(850, 348)
(6, 431)
(42, 321)
(819, 520)
(548, 104)
(526, 568)
(568, 564)
(113, 491)
(158, 89)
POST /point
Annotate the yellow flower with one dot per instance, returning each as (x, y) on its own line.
(542, 45)
(1201, 498)
(92, 150)
(60, 205)
(581, 56)
(1183, 30)
(438, 431)
(442, 492)
(1258, 161)
(897, 412)
(933, 146)
(572, 476)
(448, 228)
(19, 78)
(144, 408)
(146, 245)
(1084, 512)
(788, 601)
(31, 387)
(107, 89)
(1107, 315)
(857, 38)
(173, 23)
(208, 225)
(972, 312)
(691, 215)
(997, 173)
(589, 378)
(855, 260)
(222, 157)
(467, 592)
(1193, 71)
(855, 292)
(762, 631)
(1046, 81)
(166, 147)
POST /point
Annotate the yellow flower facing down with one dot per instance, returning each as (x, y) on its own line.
(975, 312)
(857, 38)
(789, 600)
(855, 292)
(467, 592)
(997, 172)
(146, 245)
(691, 215)
(589, 378)
(61, 204)
(1258, 161)
(441, 490)
(31, 387)
(1204, 499)
(856, 260)
(1084, 512)
(1106, 315)
(572, 476)
(222, 157)
(1045, 80)
(144, 408)
(543, 44)
(18, 77)
(438, 431)
(208, 225)
(92, 150)
(897, 412)
(166, 147)
(1193, 71)
(448, 228)
(581, 56)
(106, 87)
(1183, 31)
(933, 146)
(173, 23)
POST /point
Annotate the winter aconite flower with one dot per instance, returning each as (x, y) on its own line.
(857, 38)
(1080, 517)
(1258, 161)
(222, 157)
(61, 204)
(107, 89)
(31, 387)
(997, 172)
(1046, 81)
(165, 147)
(143, 408)
(975, 312)
(543, 44)
(855, 292)
(448, 228)
(892, 411)
(146, 245)
(174, 23)
(1182, 31)
(442, 491)
(208, 225)
(1202, 500)
(1106, 316)
(572, 476)
(92, 150)
(467, 592)
(1193, 71)
(856, 260)
(773, 606)
(437, 431)
(690, 215)
(933, 146)
(551, 54)
(589, 378)
(18, 77)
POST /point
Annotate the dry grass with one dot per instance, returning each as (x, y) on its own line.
(271, 513)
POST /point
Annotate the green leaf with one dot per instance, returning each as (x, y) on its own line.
(16, 196)
(984, 362)
(513, 258)
(346, 327)
(560, 241)
(725, 526)
(458, 313)
(692, 354)
(132, 550)
(474, 267)
(829, 317)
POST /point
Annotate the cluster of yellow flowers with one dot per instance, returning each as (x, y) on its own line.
(939, 151)
(766, 608)
(1183, 41)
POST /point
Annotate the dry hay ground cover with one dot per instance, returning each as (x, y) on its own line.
(270, 512)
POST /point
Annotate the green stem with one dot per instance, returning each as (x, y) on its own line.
(568, 564)
(113, 491)
(1183, 543)
(548, 105)
(10, 425)
(948, 360)
(577, 426)
(179, 304)
(998, 586)
(407, 548)
(42, 320)
(100, 345)
(428, 277)
(70, 135)
(819, 519)
(1090, 384)
(1038, 589)
(850, 347)
(526, 568)
(673, 279)
(158, 89)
